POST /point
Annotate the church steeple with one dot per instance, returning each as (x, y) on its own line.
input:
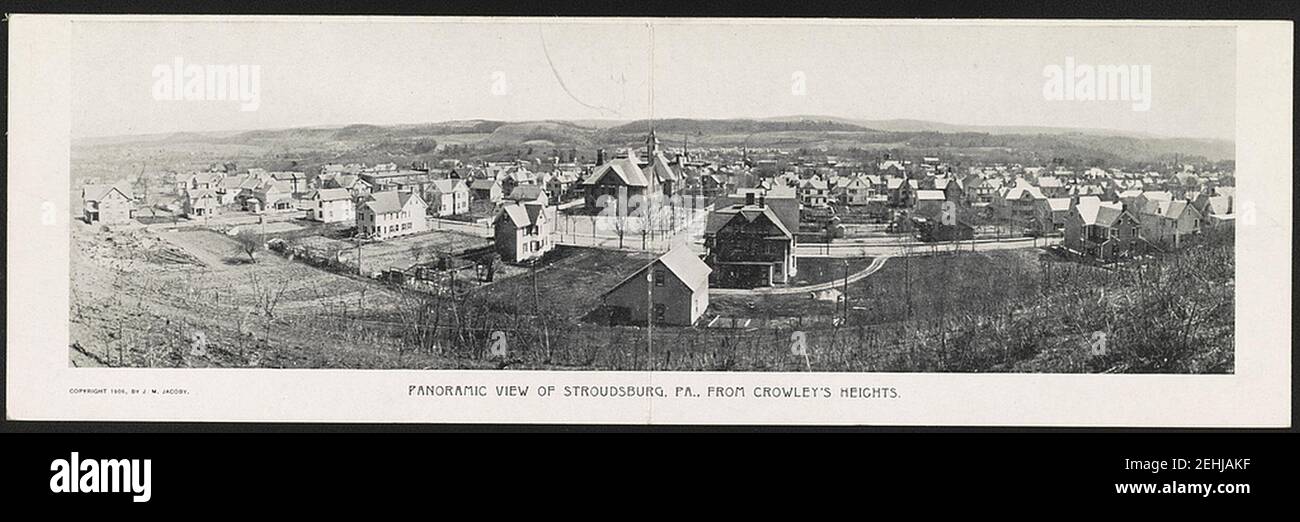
(651, 144)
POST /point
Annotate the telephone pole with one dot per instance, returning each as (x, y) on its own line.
(845, 294)
(649, 316)
(537, 311)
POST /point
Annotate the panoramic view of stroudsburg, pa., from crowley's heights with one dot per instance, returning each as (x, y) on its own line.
(807, 243)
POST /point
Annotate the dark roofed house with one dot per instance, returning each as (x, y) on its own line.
(487, 189)
(1102, 231)
(671, 290)
(615, 182)
(749, 246)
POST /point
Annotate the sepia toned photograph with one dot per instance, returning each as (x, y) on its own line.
(653, 195)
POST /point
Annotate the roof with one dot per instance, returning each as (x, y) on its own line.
(1049, 182)
(930, 195)
(445, 186)
(1058, 204)
(99, 192)
(1022, 188)
(1220, 205)
(527, 193)
(815, 184)
(332, 194)
(1094, 212)
(389, 201)
(626, 169)
(660, 169)
(484, 184)
(721, 218)
(683, 263)
(202, 193)
(522, 214)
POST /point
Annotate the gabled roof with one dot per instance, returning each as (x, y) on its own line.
(1220, 205)
(660, 169)
(1021, 189)
(99, 192)
(627, 171)
(1094, 212)
(1058, 204)
(389, 201)
(522, 214)
(815, 184)
(1049, 182)
(202, 193)
(447, 186)
(526, 193)
(721, 218)
(331, 194)
(682, 263)
(484, 184)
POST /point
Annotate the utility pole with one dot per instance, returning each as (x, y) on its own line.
(649, 316)
(358, 239)
(845, 293)
(537, 311)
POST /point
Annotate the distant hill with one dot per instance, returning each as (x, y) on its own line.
(903, 137)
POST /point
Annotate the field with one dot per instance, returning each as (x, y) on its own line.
(190, 299)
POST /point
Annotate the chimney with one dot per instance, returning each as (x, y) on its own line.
(762, 200)
(600, 156)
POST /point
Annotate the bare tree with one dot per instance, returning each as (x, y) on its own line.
(249, 242)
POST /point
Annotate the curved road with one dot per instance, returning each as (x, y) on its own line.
(876, 264)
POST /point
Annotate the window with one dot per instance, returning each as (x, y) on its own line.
(659, 278)
(660, 310)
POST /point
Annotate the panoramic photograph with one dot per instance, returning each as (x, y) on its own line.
(685, 196)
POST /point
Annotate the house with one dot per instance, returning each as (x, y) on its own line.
(930, 203)
(1018, 203)
(671, 290)
(332, 205)
(354, 184)
(229, 189)
(857, 191)
(981, 190)
(392, 213)
(1051, 215)
(201, 203)
(448, 197)
(1052, 187)
(749, 246)
(659, 173)
(270, 196)
(523, 231)
(814, 193)
(901, 192)
(105, 204)
(616, 181)
(1219, 211)
(487, 190)
(1102, 231)
(1168, 222)
(297, 181)
(559, 183)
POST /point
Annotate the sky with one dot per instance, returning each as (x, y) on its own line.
(337, 71)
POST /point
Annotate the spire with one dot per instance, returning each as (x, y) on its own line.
(651, 143)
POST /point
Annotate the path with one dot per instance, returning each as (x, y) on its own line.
(876, 265)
